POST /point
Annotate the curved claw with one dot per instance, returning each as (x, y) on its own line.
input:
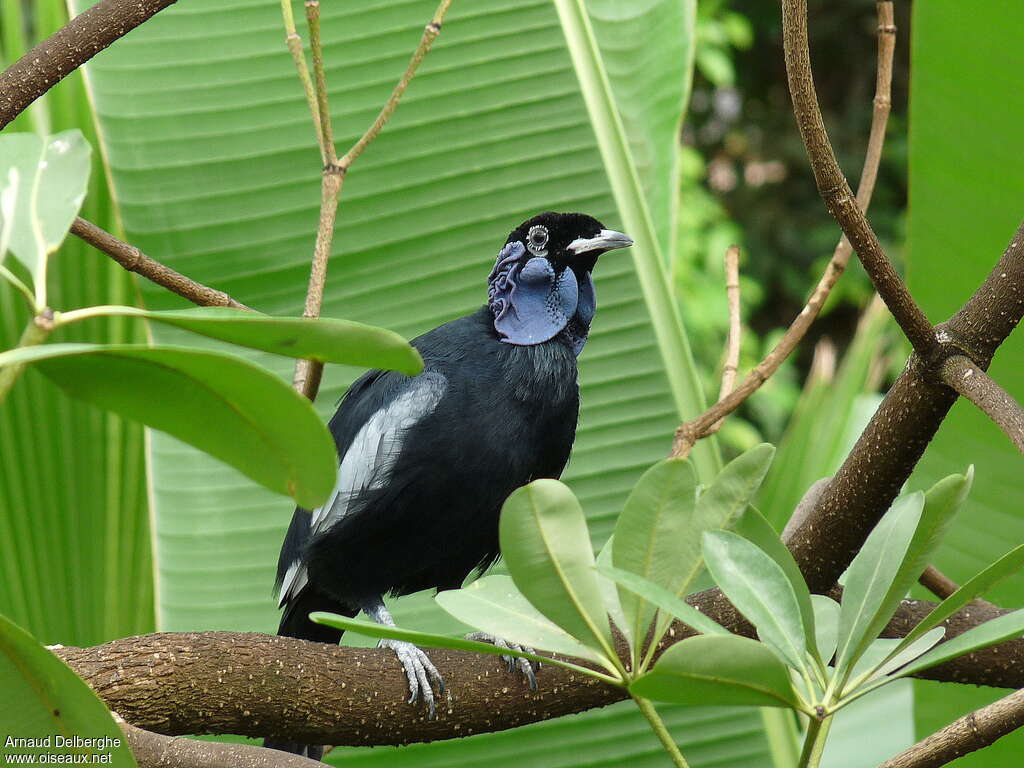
(526, 667)
(419, 671)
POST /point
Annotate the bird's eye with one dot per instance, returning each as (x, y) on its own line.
(537, 238)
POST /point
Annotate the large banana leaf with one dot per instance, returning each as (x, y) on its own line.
(75, 561)
(216, 172)
(966, 200)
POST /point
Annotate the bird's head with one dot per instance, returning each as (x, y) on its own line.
(541, 283)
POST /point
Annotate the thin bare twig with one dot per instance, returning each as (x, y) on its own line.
(69, 48)
(294, 43)
(732, 353)
(323, 107)
(970, 733)
(308, 372)
(134, 260)
(972, 382)
(833, 187)
(688, 433)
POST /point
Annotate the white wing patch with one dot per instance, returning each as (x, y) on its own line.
(368, 462)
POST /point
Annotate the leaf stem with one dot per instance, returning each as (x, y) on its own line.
(16, 282)
(38, 328)
(294, 43)
(814, 742)
(658, 726)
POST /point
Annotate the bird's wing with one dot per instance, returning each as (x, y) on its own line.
(368, 461)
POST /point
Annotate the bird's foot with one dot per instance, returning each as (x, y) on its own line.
(419, 671)
(527, 668)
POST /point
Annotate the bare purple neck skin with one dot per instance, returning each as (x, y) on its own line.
(532, 304)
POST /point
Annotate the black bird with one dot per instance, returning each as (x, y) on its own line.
(427, 461)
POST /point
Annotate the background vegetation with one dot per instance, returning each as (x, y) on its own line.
(208, 164)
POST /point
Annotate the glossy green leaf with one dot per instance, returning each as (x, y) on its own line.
(325, 339)
(51, 177)
(1001, 569)
(75, 552)
(494, 605)
(432, 640)
(826, 626)
(546, 546)
(871, 575)
(664, 600)
(222, 405)
(964, 209)
(941, 503)
(754, 527)
(45, 700)
(904, 654)
(718, 670)
(654, 537)
(760, 590)
(734, 487)
(1006, 627)
(610, 592)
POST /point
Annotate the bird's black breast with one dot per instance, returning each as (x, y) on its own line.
(507, 415)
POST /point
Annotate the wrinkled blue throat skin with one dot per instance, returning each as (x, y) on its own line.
(532, 304)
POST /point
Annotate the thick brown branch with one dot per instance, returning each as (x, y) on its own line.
(835, 190)
(938, 583)
(154, 750)
(69, 48)
(892, 443)
(971, 732)
(730, 400)
(263, 685)
(972, 382)
(134, 260)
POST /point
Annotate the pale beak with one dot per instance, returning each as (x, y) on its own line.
(607, 240)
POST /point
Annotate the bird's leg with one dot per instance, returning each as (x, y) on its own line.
(419, 669)
(526, 667)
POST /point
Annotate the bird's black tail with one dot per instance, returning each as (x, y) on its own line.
(295, 623)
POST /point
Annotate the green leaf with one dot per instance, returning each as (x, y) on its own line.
(494, 605)
(325, 339)
(760, 590)
(1003, 568)
(225, 406)
(606, 120)
(432, 640)
(546, 546)
(664, 600)
(52, 176)
(610, 592)
(941, 504)
(826, 626)
(59, 584)
(870, 577)
(963, 215)
(754, 527)
(904, 654)
(46, 700)
(1006, 627)
(718, 670)
(654, 537)
(732, 490)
